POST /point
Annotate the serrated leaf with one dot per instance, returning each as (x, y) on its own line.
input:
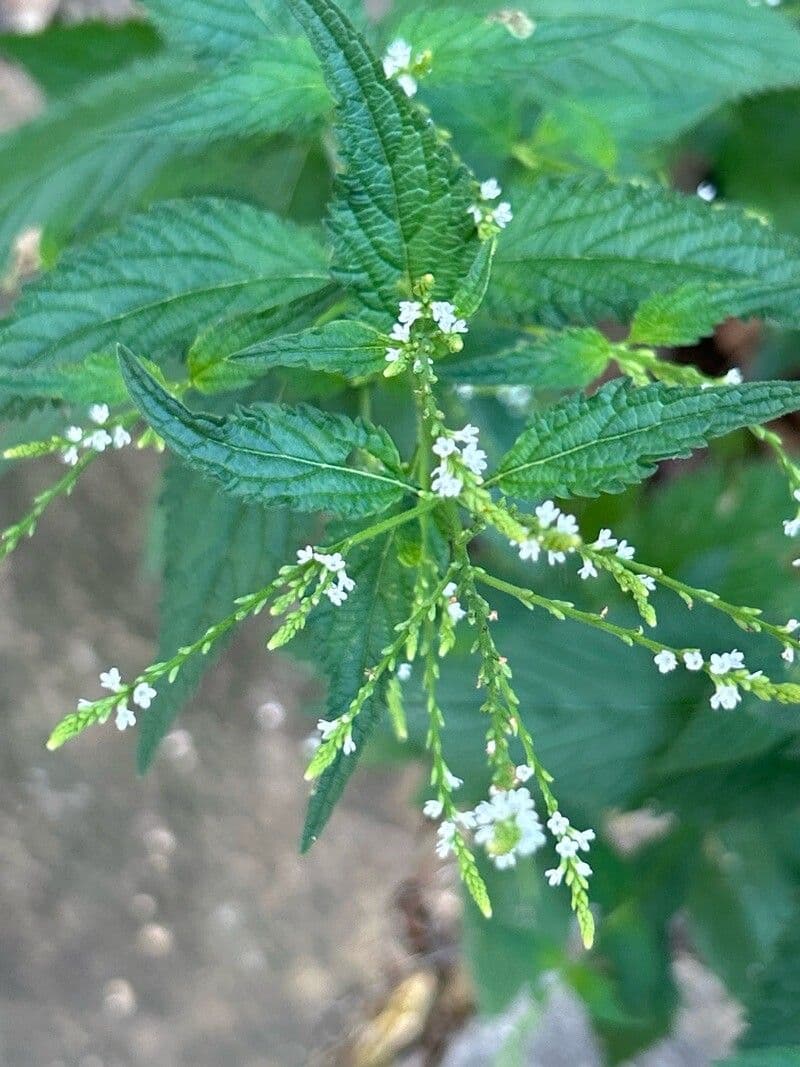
(584, 446)
(352, 349)
(216, 548)
(300, 458)
(96, 379)
(400, 210)
(583, 249)
(182, 264)
(363, 626)
(688, 314)
(547, 359)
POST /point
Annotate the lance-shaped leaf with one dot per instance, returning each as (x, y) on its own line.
(363, 627)
(691, 312)
(353, 349)
(157, 279)
(216, 548)
(582, 249)
(301, 458)
(400, 209)
(584, 446)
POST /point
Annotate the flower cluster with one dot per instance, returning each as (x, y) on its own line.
(569, 843)
(508, 826)
(441, 313)
(552, 518)
(329, 728)
(143, 696)
(459, 458)
(397, 64)
(98, 439)
(454, 607)
(488, 219)
(336, 591)
(721, 665)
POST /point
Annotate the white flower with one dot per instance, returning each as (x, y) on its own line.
(305, 555)
(70, 456)
(524, 773)
(474, 459)
(725, 696)
(556, 557)
(555, 876)
(445, 483)
(508, 826)
(451, 781)
(588, 570)
(432, 809)
(733, 377)
(666, 661)
(336, 594)
(707, 191)
(788, 654)
(327, 728)
(530, 549)
(99, 413)
(444, 446)
(401, 331)
(393, 354)
(791, 527)
(111, 679)
(444, 839)
(605, 540)
(397, 57)
(625, 551)
(74, 434)
(547, 513)
(468, 435)
(125, 717)
(502, 214)
(583, 869)
(450, 589)
(648, 582)
(99, 440)
(693, 660)
(465, 819)
(408, 83)
(490, 189)
(567, 524)
(584, 838)
(455, 611)
(120, 437)
(567, 848)
(404, 672)
(558, 824)
(476, 212)
(725, 662)
(144, 695)
(348, 745)
(333, 563)
(444, 315)
(796, 562)
(410, 311)
(792, 625)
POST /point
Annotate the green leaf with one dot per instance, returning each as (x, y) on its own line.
(363, 626)
(180, 265)
(582, 249)
(400, 210)
(773, 1015)
(688, 314)
(216, 548)
(352, 349)
(96, 379)
(547, 359)
(217, 29)
(61, 58)
(299, 458)
(584, 446)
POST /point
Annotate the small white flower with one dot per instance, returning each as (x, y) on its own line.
(348, 745)
(336, 594)
(445, 483)
(397, 57)
(401, 331)
(791, 527)
(558, 824)
(583, 869)
(567, 524)
(327, 728)
(554, 558)
(404, 672)
(796, 562)
(432, 809)
(474, 459)
(451, 781)
(125, 717)
(693, 660)
(788, 654)
(444, 839)
(584, 838)
(393, 355)
(444, 315)
(555, 876)
(707, 191)
(468, 435)
(120, 437)
(733, 377)
(144, 695)
(333, 562)
(792, 625)
(567, 848)
(111, 679)
(530, 549)
(70, 456)
(625, 551)
(444, 446)
(74, 434)
(605, 540)
(455, 611)
(476, 212)
(490, 189)
(725, 696)
(99, 413)
(648, 582)
(465, 391)
(666, 661)
(547, 513)
(450, 589)
(502, 214)
(408, 83)
(305, 555)
(588, 570)
(410, 311)
(99, 440)
(524, 773)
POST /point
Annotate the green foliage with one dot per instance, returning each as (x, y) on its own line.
(600, 444)
(347, 347)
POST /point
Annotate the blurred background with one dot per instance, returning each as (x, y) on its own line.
(169, 919)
